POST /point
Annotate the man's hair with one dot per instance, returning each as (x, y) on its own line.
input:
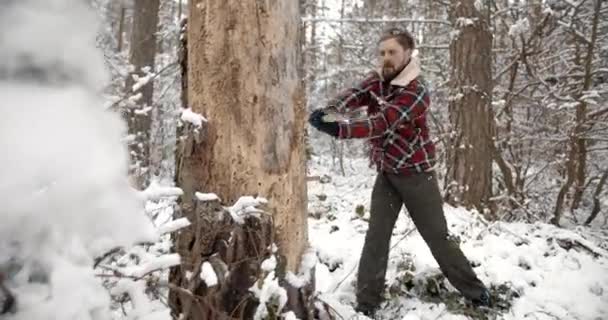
(403, 37)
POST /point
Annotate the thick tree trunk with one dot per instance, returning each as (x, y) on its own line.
(243, 77)
(142, 54)
(470, 156)
(242, 63)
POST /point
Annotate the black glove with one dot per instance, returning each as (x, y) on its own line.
(316, 120)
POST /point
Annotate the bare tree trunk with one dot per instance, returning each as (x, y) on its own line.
(370, 7)
(312, 62)
(577, 158)
(121, 29)
(340, 144)
(243, 76)
(393, 9)
(596, 198)
(142, 54)
(470, 109)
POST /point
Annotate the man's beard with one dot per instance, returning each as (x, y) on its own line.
(389, 72)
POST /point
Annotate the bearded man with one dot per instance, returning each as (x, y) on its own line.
(398, 101)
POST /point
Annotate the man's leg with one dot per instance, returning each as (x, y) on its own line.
(385, 206)
(422, 198)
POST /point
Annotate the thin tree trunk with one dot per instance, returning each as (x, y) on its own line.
(121, 28)
(139, 117)
(370, 7)
(340, 144)
(577, 158)
(470, 112)
(596, 198)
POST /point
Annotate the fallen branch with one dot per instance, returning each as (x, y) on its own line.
(568, 244)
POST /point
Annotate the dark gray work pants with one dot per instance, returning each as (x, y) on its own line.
(421, 196)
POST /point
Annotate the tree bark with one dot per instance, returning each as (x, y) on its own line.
(142, 54)
(470, 156)
(242, 63)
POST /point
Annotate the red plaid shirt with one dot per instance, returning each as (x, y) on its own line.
(396, 124)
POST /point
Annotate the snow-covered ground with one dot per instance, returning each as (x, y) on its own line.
(530, 259)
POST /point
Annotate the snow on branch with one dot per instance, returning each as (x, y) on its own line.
(309, 260)
(156, 192)
(194, 118)
(206, 196)
(208, 275)
(141, 81)
(156, 263)
(173, 226)
(269, 291)
(245, 206)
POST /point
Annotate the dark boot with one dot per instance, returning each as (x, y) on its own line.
(385, 206)
(484, 300)
(367, 310)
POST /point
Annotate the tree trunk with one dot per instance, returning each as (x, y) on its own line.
(142, 54)
(242, 63)
(370, 7)
(577, 158)
(596, 198)
(121, 29)
(581, 170)
(471, 116)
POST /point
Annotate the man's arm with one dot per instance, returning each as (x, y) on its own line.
(357, 96)
(408, 106)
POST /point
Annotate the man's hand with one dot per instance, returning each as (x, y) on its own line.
(316, 120)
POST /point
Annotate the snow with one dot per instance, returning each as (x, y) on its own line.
(465, 22)
(309, 260)
(208, 274)
(143, 111)
(65, 201)
(591, 97)
(141, 81)
(269, 264)
(520, 27)
(156, 192)
(245, 206)
(207, 196)
(136, 291)
(173, 226)
(136, 97)
(289, 316)
(154, 263)
(479, 5)
(270, 293)
(65, 197)
(568, 284)
(192, 117)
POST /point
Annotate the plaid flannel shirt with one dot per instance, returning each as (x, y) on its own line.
(396, 124)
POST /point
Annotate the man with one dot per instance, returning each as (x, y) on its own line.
(397, 101)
